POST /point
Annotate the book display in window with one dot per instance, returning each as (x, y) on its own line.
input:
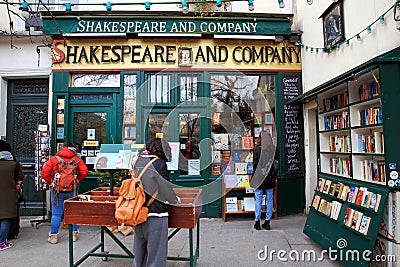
(232, 157)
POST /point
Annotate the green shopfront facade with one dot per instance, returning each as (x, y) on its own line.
(123, 79)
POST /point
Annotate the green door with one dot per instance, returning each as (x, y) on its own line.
(90, 127)
(187, 130)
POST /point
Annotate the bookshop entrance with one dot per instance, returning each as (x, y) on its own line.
(187, 130)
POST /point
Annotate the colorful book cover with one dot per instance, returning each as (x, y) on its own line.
(364, 225)
(257, 118)
(247, 142)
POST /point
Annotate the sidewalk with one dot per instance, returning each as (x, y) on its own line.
(231, 243)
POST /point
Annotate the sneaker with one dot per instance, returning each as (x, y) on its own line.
(6, 246)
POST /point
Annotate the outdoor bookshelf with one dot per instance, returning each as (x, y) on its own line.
(353, 181)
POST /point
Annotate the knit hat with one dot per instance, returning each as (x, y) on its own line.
(4, 146)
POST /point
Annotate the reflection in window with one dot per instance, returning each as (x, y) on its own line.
(189, 138)
(188, 87)
(159, 88)
(89, 120)
(95, 80)
(243, 93)
(158, 123)
(129, 109)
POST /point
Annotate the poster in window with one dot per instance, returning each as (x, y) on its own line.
(333, 25)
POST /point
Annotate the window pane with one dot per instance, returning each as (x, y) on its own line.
(189, 137)
(95, 80)
(129, 134)
(159, 88)
(158, 123)
(188, 87)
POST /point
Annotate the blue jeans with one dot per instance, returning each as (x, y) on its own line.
(258, 195)
(58, 210)
(4, 227)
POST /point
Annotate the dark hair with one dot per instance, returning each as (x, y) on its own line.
(159, 147)
(70, 146)
(4, 146)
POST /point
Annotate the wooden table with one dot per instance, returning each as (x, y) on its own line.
(98, 210)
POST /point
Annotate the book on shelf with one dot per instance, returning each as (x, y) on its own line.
(364, 225)
(322, 205)
(231, 204)
(356, 220)
(345, 192)
(348, 217)
(352, 194)
(249, 167)
(336, 207)
(332, 189)
(258, 118)
(315, 202)
(375, 201)
(381, 171)
(231, 180)
(216, 169)
(243, 180)
(367, 199)
(247, 142)
(216, 156)
(327, 186)
(221, 141)
(360, 195)
(378, 142)
(240, 205)
(338, 190)
(249, 204)
(320, 185)
(240, 168)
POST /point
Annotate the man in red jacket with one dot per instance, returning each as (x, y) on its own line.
(49, 173)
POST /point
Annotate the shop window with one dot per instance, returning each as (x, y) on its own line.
(95, 80)
(159, 88)
(129, 134)
(189, 138)
(241, 107)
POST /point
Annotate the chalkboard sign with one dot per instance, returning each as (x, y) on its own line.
(292, 125)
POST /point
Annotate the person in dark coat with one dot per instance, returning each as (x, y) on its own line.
(264, 178)
(67, 153)
(11, 172)
(151, 237)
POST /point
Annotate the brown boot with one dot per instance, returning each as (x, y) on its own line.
(257, 225)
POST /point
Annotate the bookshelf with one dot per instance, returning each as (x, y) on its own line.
(351, 139)
(352, 189)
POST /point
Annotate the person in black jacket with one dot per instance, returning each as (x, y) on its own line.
(11, 172)
(265, 160)
(151, 237)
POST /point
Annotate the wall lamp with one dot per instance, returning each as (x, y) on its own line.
(25, 9)
(251, 5)
(281, 3)
(68, 7)
(108, 6)
(185, 8)
(147, 5)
